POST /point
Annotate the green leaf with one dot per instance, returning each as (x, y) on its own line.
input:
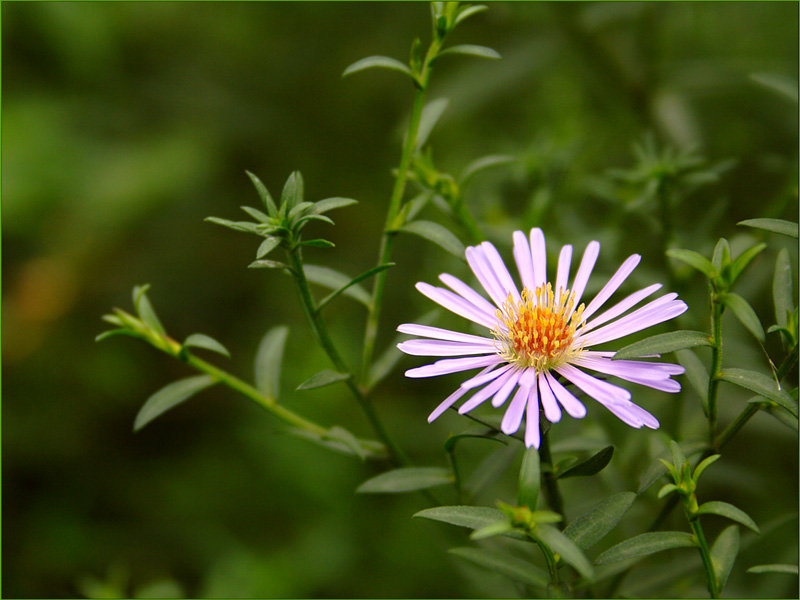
(428, 119)
(200, 340)
(723, 554)
(512, 567)
(145, 310)
(170, 396)
(318, 243)
(569, 551)
(667, 489)
(437, 234)
(268, 361)
(696, 374)
(774, 225)
(268, 264)
(334, 440)
(721, 258)
(292, 193)
(775, 568)
(760, 384)
(656, 469)
(782, 288)
(592, 526)
(380, 62)
(113, 332)
(332, 203)
(529, 479)
(323, 378)
(471, 517)
(299, 209)
(703, 465)
(590, 466)
(307, 218)
(349, 285)
(491, 530)
(256, 214)
(406, 479)
(269, 203)
(471, 50)
(745, 314)
(267, 246)
(467, 11)
(785, 86)
(663, 343)
(694, 260)
(678, 457)
(347, 439)
(729, 511)
(644, 544)
(245, 226)
(335, 280)
(744, 259)
(483, 163)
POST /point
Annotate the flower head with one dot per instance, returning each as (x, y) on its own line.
(540, 333)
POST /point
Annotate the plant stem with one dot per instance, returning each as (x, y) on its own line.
(736, 425)
(323, 337)
(716, 365)
(711, 577)
(549, 480)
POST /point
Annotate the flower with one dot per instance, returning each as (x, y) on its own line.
(539, 333)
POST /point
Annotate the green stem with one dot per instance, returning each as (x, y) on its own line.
(716, 365)
(552, 563)
(711, 577)
(736, 425)
(549, 480)
(788, 364)
(323, 337)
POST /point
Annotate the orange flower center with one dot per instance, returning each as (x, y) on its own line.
(538, 330)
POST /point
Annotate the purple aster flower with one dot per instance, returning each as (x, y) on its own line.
(538, 333)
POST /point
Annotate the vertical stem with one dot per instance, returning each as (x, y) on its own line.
(549, 480)
(711, 577)
(716, 365)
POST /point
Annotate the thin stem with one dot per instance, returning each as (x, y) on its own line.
(552, 564)
(549, 480)
(716, 365)
(323, 337)
(711, 577)
(736, 425)
(788, 364)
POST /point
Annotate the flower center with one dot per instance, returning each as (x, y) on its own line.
(539, 329)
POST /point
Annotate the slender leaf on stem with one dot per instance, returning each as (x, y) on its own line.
(591, 527)
(499, 528)
(347, 439)
(323, 378)
(406, 479)
(644, 544)
(744, 259)
(760, 384)
(267, 264)
(721, 257)
(380, 62)
(467, 11)
(485, 162)
(268, 361)
(245, 226)
(782, 288)
(723, 509)
(569, 551)
(471, 517)
(696, 374)
(703, 465)
(695, 260)
(745, 314)
(785, 86)
(530, 479)
(590, 466)
(267, 246)
(269, 203)
(332, 203)
(292, 193)
(512, 567)
(332, 440)
(437, 234)
(471, 50)
(774, 225)
(656, 469)
(349, 285)
(170, 396)
(256, 214)
(775, 568)
(200, 340)
(336, 280)
(723, 554)
(318, 243)
(145, 310)
(663, 343)
(430, 116)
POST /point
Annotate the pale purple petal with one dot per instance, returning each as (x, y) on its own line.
(484, 394)
(442, 334)
(628, 368)
(653, 313)
(571, 404)
(522, 255)
(513, 417)
(466, 292)
(457, 304)
(484, 378)
(539, 256)
(439, 348)
(620, 307)
(453, 365)
(449, 401)
(562, 275)
(548, 400)
(596, 388)
(532, 421)
(502, 395)
(500, 271)
(582, 276)
(483, 271)
(613, 284)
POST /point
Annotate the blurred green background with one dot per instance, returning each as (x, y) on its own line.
(125, 124)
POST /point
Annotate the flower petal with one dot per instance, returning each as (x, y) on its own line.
(482, 395)
(442, 334)
(439, 348)
(483, 271)
(453, 365)
(568, 400)
(620, 307)
(457, 304)
(539, 256)
(522, 256)
(500, 271)
(551, 409)
(532, 420)
(655, 312)
(502, 395)
(613, 284)
(466, 292)
(562, 275)
(484, 378)
(582, 276)
(513, 417)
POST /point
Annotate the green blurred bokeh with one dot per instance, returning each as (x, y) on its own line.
(125, 124)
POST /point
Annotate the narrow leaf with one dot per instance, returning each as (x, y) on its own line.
(268, 361)
(664, 343)
(113, 332)
(729, 511)
(145, 310)
(200, 340)
(471, 517)
(267, 246)
(467, 11)
(744, 259)
(723, 554)
(785, 86)
(339, 434)
(703, 465)
(590, 466)
(430, 116)
(437, 234)
(491, 530)
(318, 243)
(644, 544)
(323, 378)
(696, 374)
(332, 203)
(485, 162)
(591, 527)
(256, 214)
(267, 264)
(569, 551)
(406, 479)
(775, 568)
(343, 289)
(721, 257)
(170, 396)
(745, 314)
(292, 193)
(512, 567)
(245, 226)
(367, 448)
(335, 280)
(760, 384)
(695, 260)
(774, 225)
(530, 477)
(269, 203)
(381, 62)
(656, 469)
(471, 50)
(782, 288)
